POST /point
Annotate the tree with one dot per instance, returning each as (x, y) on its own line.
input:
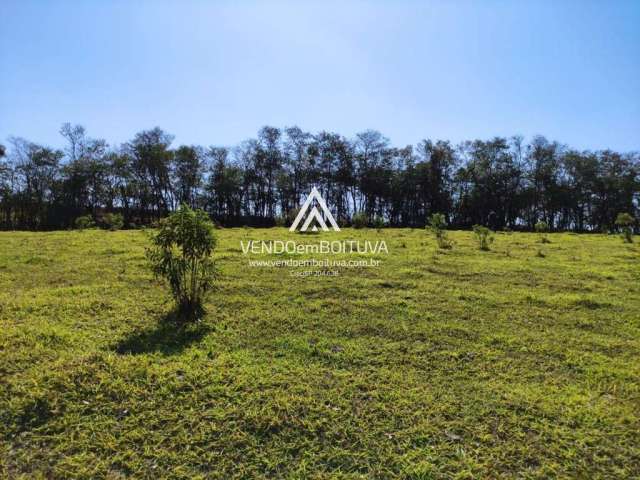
(84, 176)
(112, 221)
(438, 226)
(580, 177)
(616, 180)
(83, 222)
(370, 149)
(484, 236)
(269, 165)
(542, 228)
(181, 254)
(335, 168)
(188, 173)
(7, 187)
(489, 183)
(625, 222)
(501, 182)
(224, 191)
(37, 176)
(543, 181)
(298, 165)
(150, 163)
(438, 160)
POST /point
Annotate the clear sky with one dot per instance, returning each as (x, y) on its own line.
(213, 73)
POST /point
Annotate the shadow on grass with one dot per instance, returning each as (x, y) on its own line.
(167, 337)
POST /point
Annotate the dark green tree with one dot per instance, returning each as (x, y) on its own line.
(181, 254)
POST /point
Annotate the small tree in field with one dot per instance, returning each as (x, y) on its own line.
(84, 221)
(181, 254)
(625, 222)
(438, 225)
(113, 221)
(484, 237)
(542, 228)
(359, 220)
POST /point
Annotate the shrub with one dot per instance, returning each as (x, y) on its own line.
(484, 236)
(542, 228)
(84, 221)
(280, 221)
(113, 221)
(625, 221)
(359, 220)
(438, 225)
(181, 254)
(378, 222)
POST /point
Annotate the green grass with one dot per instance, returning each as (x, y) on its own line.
(439, 364)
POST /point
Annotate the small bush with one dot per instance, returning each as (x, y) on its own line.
(359, 220)
(484, 237)
(625, 221)
(378, 223)
(542, 228)
(438, 225)
(113, 221)
(84, 221)
(280, 221)
(181, 254)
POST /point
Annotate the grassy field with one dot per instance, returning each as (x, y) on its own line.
(439, 364)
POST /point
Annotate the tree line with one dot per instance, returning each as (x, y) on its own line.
(501, 182)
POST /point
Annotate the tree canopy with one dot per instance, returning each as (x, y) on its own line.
(499, 182)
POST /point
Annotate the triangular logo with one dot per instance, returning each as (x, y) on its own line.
(314, 214)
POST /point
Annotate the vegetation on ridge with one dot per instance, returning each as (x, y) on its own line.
(500, 183)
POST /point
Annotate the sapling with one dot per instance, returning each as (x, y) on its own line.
(359, 220)
(624, 222)
(438, 225)
(113, 221)
(542, 228)
(181, 254)
(84, 221)
(484, 237)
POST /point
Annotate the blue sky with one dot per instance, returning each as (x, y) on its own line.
(213, 73)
